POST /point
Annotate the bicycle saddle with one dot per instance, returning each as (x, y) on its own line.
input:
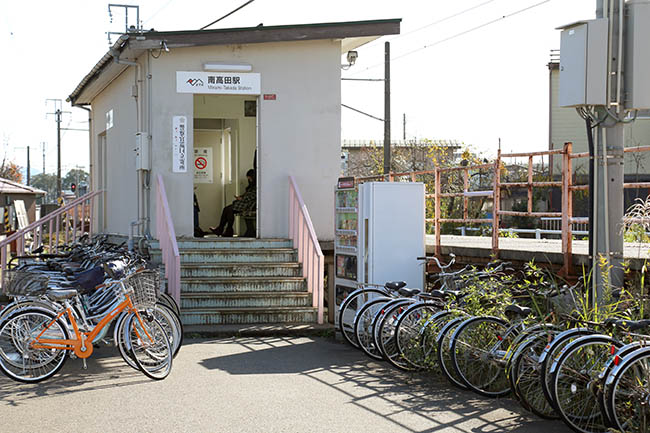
(60, 295)
(395, 285)
(518, 310)
(408, 292)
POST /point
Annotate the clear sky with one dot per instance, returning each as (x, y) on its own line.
(476, 87)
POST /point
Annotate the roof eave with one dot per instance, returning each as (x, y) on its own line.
(361, 31)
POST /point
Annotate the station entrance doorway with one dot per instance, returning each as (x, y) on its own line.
(225, 149)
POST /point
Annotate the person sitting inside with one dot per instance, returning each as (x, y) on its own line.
(243, 203)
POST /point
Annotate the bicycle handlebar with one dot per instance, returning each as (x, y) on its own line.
(434, 258)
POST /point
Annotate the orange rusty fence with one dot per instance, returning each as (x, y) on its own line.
(565, 184)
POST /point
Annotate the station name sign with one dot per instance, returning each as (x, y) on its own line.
(222, 83)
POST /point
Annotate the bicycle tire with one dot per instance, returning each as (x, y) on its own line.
(170, 302)
(349, 308)
(574, 379)
(550, 354)
(388, 312)
(363, 326)
(605, 393)
(408, 333)
(476, 347)
(386, 334)
(628, 402)
(149, 345)
(119, 337)
(443, 352)
(524, 377)
(24, 364)
(172, 324)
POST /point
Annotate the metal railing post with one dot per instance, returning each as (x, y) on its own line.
(438, 249)
(496, 207)
(567, 208)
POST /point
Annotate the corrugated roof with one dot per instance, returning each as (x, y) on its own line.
(9, 187)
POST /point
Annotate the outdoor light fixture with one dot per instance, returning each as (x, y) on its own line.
(231, 67)
(351, 57)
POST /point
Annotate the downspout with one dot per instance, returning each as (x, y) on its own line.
(138, 103)
(90, 142)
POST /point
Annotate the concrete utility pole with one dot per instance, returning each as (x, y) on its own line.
(386, 108)
(608, 158)
(28, 168)
(58, 153)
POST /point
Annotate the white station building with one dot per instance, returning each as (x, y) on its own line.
(203, 107)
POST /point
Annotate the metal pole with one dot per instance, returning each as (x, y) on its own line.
(58, 153)
(609, 159)
(28, 168)
(386, 108)
(404, 128)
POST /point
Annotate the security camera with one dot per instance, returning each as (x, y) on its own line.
(352, 57)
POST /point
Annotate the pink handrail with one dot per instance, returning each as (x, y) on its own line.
(77, 216)
(171, 258)
(303, 235)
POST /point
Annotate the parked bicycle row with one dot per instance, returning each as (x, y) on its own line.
(497, 332)
(65, 304)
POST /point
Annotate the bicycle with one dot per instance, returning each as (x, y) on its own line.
(35, 342)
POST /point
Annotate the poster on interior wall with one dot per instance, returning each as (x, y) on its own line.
(179, 144)
(202, 165)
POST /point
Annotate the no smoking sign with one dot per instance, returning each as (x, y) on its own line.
(203, 165)
(200, 163)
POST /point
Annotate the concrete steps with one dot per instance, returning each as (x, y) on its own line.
(248, 315)
(242, 284)
(199, 300)
(246, 269)
(231, 281)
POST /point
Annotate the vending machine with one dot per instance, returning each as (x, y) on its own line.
(345, 238)
(391, 233)
(379, 234)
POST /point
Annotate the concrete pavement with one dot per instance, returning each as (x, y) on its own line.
(254, 384)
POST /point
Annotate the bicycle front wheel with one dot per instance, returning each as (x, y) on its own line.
(149, 345)
(575, 382)
(630, 394)
(19, 360)
(478, 350)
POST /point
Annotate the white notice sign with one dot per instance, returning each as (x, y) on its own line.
(202, 165)
(179, 144)
(224, 83)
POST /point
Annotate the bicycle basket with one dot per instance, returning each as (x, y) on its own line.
(145, 288)
(23, 283)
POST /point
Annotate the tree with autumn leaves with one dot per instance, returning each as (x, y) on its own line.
(11, 171)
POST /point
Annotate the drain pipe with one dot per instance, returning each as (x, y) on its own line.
(138, 104)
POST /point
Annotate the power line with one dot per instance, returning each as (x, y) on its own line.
(454, 36)
(227, 15)
(157, 12)
(442, 20)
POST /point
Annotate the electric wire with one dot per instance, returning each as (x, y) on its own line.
(442, 20)
(456, 35)
(227, 15)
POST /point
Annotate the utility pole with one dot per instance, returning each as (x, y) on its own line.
(608, 160)
(404, 128)
(386, 108)
(28, 168)
(43, 148)
(58, 153)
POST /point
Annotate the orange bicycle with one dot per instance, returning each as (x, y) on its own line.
(35, 342)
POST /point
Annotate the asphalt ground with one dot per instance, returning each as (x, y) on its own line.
(255, 384)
